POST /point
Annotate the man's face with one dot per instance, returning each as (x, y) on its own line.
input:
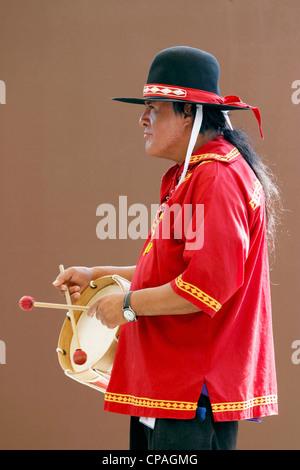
(166, 134)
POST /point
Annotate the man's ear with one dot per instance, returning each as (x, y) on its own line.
(187, 110)
(188, 115)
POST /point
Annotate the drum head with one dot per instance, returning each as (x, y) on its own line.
(94, 338)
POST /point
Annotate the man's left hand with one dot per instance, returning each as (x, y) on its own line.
(108, 310)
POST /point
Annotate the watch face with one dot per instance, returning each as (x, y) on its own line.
(130, 316)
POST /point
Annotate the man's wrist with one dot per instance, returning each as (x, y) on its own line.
(128, 313)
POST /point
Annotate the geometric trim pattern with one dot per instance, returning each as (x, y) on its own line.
(158, 217)
(148, 248)
(256, 196)
(214, 156)
(197, 293)
(149, 402)
(188, 406)
(244, 405)
(190, 173)
(167, 91)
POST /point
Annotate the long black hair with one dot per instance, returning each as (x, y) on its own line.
(214, 119)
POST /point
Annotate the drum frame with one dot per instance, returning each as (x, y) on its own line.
(97, 375)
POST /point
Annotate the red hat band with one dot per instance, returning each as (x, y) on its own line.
(153, 90)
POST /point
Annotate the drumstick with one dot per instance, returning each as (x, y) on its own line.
(79, 356)
(27, 303)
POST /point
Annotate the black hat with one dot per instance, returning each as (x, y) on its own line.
(188, 75)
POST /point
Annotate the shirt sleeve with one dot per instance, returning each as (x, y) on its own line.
(216, 251)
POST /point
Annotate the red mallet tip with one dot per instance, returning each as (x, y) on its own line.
(26, 302)
(79, 357)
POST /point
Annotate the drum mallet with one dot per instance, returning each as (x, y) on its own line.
(27, 303)
(79, 356)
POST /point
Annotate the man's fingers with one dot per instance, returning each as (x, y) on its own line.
(91, 311)
(95, 310)
(60, 280)
(74, 290)
(75, 297)
(65, 276)
(61, 283)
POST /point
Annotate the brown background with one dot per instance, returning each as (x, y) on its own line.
(65, 148)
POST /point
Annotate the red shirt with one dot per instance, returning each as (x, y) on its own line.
(162, 362)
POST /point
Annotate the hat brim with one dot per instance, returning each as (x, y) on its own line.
(142, 101)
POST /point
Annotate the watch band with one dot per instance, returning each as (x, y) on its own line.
(126, 303)
(128, 313)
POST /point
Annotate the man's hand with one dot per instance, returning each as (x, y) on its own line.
(108, 310)
(76, 279)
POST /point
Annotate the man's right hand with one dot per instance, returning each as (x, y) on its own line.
(76, 279)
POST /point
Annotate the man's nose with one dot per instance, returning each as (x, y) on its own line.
(144, 119)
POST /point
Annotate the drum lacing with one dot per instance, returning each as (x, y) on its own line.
(61, 351)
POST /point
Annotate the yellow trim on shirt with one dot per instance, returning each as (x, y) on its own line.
(197, 293)
(150, 403)
(243, 405)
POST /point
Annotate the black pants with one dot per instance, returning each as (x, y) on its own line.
(185, 434)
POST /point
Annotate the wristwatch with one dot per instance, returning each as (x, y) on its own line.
(128, 313)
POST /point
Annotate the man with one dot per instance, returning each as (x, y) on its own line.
(195, 352)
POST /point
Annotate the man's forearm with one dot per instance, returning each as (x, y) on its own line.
(123, 271)
(160, 300)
